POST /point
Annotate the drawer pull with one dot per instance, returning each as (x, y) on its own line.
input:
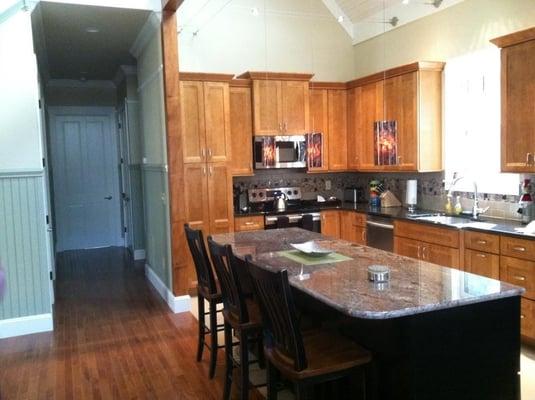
(519, 248)
(522, 316)
(519, 277)
(481, 255)
(481, 242)
(249, 223)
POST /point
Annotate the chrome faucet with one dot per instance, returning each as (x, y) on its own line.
(476, 210)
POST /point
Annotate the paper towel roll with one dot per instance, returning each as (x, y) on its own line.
(411, 197)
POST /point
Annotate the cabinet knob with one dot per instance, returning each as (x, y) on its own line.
(522, 316)
(481, 242)
(481, 255)
(519, 277)
(519, 248)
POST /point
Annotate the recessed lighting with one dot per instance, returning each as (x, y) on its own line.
(255, 12)
(341, 18)
(92, 29)
(405, 2)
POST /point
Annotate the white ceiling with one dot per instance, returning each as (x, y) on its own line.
(70, 52)
(364, 19)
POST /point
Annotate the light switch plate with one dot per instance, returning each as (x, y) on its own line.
(327, 184)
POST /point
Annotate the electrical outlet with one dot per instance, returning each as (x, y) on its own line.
(327, 184)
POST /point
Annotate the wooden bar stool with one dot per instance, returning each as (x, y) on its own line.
(307, 359)
(207, 289)
(241, 315)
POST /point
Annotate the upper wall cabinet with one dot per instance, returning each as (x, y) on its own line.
(280, 103)
(241, 127)
(407, 103)
(205, 118)
(518, 97)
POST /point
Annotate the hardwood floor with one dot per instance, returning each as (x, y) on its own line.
(114, 338)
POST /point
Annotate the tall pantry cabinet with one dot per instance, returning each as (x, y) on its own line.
(205, 118)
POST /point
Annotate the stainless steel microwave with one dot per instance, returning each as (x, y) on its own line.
(280, 152)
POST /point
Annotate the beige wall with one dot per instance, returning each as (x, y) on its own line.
(456, 31)
(302, 36)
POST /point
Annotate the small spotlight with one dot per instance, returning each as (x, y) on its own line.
(341, 18)
(92, 29)
(405, 2)
(255, 12)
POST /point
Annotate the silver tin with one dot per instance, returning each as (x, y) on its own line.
(378, 273)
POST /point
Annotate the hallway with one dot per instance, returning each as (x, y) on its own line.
(113, 338)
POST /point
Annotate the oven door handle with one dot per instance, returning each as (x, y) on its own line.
(380, 225)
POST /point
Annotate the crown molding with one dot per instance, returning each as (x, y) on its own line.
(204, 76)
(122, 72)
(151, 24)
(278, 76)
(74, 83)
(514, 38)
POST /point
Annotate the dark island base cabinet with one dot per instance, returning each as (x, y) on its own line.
(464, 353)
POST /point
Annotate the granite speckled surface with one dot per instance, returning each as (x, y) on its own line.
(414, 287)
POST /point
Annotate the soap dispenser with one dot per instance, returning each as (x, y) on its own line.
(458, 207)
(448, 207)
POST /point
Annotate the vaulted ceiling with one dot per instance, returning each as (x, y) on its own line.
(364, 19)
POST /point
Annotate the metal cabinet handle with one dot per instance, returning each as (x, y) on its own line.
(364, 236)
(203, 153)
(209, 152)
(211, 170)
(285, 126)
(481, 255)
(204, 171)
(519, 248)
(419, 256)
(108, 197)
(249, 223)
(481, 242)
(528, 158)
(424, 250)
(519, 277)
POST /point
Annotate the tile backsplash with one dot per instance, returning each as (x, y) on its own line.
(431, 191)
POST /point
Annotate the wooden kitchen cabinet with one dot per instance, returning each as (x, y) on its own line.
(353, 227)
(481, 263)
(280, 103)
(205, 118)
(519, 272)
(337, 130)
(248, 223)
(407, 247)
(330, 223)
(517, 94)
(319, 123)
(516, 247)
(196, 197)
(430, 233)
(527, 318)
(241, 128)
(411, 95)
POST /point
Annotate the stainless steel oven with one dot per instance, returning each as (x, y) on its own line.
(280, 152)
(270, 221)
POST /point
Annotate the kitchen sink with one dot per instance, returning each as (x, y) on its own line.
(445, 220)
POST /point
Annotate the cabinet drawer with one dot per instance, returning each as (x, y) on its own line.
(359, 219)
(482, 241)
(515, 247)
(527, 318)
(481, 263)
(520, 273)
(427, 233)
(242, 224)
(441, 255)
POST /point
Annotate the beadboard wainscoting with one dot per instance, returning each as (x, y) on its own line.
(23, 253)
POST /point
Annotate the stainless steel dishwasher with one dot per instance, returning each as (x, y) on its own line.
(380, 232)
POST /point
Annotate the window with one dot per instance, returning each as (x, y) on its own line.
(472, 123)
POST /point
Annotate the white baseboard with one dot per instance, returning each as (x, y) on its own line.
(176, 304)
(139, 254)
(26, 325)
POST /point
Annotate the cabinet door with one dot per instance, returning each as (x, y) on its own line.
(295, 107)
(241, 131)
(520, 273)
(217, 121)
(518, 116)
(527, 318)
(352, 227)
(481, 263)
(400, 95)
(193, 127)
(330, 223)
(371, 111)
(267, 107)
(196, 196)
(432, 234)
(338, 130)
(354, 115)
(407, 247)
(441, 255)
(220, 198)
(319, 122)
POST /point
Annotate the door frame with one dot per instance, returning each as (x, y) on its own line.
(124, 175)
(89, 111)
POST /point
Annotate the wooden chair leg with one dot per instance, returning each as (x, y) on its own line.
(244, 364)
(272, 393)
(213, 337)
(228, 362)
(261, 358)
(301, 391)
(202, 327)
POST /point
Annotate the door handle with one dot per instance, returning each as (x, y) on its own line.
(108, 197)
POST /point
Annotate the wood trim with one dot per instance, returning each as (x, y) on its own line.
(241, 83)
(514, 38)
(275, 76)
(205, 77)
(171, 5)
(174, 151)
(402, 70)
(327, 85)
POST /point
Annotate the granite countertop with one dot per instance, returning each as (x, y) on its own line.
(486, 224)
(414, 287)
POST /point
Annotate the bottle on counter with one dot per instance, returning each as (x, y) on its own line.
(458, 207)
(448, 207)
(526, 202)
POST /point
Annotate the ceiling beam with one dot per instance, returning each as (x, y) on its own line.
(337, 12)
(171, 5)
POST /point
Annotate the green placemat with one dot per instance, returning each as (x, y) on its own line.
(297, 256)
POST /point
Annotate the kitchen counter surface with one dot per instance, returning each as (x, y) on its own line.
(486, 224)
(415, 286)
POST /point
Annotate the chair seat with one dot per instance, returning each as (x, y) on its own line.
(210, 296)
(255, 319)
(327, 353)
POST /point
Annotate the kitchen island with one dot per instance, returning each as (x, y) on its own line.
(435, 332)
